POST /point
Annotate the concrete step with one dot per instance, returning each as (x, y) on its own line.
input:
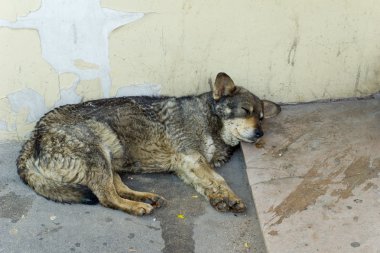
(315, 178)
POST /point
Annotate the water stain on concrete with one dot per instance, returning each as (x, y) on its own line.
(273, 232)
(291, 139)
(307, 192)
(356, 174)
(13, 206)
(370, 185)
(178, 233)
(318, 180)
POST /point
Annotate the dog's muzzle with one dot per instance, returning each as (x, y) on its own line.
(253, 136)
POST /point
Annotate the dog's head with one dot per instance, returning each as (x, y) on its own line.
(241, 111)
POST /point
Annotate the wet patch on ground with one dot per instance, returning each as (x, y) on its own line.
(177, 216)
(346, 176)
(14, 207)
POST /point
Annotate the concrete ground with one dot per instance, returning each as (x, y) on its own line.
(30, 223)
(315, 178)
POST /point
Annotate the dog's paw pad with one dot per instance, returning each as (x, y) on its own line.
(238, 207)
(220, 204)
(142, 210)
(224, 204)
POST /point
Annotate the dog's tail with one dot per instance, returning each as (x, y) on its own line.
(48, 188)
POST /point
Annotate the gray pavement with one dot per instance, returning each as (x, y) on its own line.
(30, 223)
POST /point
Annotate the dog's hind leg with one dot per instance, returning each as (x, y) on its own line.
(104, 189)
(125, 192)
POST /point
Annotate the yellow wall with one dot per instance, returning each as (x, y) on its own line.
(288, 51)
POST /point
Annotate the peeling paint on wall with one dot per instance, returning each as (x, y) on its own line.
(81, 64)
(89, 89)
(73, 31)
(69, 95)
(30, 100)
(3, 125)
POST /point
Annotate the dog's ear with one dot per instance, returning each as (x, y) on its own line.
(223, 86)
(270, 109)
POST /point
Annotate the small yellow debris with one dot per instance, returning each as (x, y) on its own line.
(194, 196)
(247, 245)
(181, 216)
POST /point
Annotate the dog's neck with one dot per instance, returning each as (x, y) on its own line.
(209, 100)
(226, 135)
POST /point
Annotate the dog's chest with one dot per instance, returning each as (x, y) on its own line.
(209, 148)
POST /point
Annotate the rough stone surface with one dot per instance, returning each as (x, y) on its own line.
(315, 178)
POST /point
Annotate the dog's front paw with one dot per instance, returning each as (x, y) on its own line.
(227, 203)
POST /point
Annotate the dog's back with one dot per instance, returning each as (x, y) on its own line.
(132, 134)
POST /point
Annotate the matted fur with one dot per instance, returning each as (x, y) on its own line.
(76, 152)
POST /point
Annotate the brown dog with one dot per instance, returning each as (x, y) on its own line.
(76, 152)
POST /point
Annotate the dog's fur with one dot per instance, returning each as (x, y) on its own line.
(76, 152)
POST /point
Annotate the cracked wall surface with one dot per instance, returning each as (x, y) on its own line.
(58, 52)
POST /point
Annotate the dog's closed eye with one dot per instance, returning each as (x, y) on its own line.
(247, 111)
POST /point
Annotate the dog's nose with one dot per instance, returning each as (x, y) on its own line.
(258, 133)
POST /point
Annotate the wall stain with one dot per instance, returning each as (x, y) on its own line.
(292, 52)
(13, 206)
(317, 181)
(357, 80)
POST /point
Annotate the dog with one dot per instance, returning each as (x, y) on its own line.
(76, 152)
